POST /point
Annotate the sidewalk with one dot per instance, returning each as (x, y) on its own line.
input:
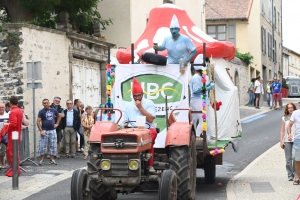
(265, 177)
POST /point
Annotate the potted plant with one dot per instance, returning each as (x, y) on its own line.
(285, 89)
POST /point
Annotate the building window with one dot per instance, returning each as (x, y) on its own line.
(263, 6)
(275, 52)
(222, 32)
(270, 52)
(269, 10)
(217, 32)
(263, 40)
(274, 18)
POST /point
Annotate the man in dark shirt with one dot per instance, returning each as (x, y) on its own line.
(47, 130)
(71, 123)
(60, 110)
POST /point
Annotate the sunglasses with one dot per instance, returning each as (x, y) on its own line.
(137, 95)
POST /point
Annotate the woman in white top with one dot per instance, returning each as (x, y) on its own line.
(284, 141)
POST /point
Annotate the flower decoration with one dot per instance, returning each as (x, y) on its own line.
(203, 80)
(110, 80)
(216, 151)
(218, 105)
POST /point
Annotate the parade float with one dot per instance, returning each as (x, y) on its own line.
(118, 156)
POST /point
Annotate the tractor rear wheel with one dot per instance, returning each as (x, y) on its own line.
(182, 160)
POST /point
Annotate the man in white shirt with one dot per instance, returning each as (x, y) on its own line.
(295, 118)
(141, 106)
(257, 91)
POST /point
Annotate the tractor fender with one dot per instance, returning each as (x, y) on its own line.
(99, 128)
(179, 134)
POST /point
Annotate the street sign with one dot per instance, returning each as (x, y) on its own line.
(34, 85)
(34, 72)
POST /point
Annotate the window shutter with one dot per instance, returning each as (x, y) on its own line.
(265, 41)
(262, 39)
(231, 33)
(275, 17)
(268, 44)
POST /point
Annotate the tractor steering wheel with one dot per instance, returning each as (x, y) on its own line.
(149, 126)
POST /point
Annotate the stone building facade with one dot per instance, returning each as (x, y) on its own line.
(73, 66)
(238, 72)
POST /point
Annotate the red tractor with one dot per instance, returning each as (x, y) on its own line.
(118, 163)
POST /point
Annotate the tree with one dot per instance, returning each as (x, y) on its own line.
(83, 13)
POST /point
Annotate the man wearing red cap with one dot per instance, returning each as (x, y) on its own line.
(15, 124)
(141, 107)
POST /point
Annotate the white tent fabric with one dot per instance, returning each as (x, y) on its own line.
(228, 117)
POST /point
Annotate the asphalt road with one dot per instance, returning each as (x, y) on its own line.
(258, 136)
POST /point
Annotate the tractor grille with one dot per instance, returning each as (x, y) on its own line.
(112, 142)
(119, 165)
(111, 139)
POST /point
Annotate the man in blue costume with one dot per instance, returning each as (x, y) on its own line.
(180, 48)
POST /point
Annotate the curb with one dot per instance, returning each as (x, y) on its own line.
(230, 185)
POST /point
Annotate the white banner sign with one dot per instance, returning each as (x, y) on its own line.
(158, 83)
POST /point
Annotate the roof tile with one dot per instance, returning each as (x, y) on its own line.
(228, 9)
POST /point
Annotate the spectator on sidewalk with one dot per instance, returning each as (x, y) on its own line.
(3, 117)
(257, 91)
(87, 123)
(77, 104)
(7, 107)
(261, 98)
(276, 90)
(269, 93)
(25, 119)
(83, 111)
(80, 149)
(295, 118)
(251, 93)
(15, 124)
(59, 132)
(71, 123)
(284, 141)
(46, 117)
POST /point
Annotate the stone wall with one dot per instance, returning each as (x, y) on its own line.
(11, 82)
(239, 73)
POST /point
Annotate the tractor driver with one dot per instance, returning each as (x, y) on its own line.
(141, 107)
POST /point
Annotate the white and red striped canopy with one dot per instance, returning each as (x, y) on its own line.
(159, 27)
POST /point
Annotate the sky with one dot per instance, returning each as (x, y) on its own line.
(291, 24)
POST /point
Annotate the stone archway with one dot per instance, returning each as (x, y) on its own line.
(237, 82)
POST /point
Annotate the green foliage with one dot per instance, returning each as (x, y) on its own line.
(83, 13)
(284, 84)
(246, 57)
(13, 41)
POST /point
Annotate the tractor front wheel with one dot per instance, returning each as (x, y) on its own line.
(182, 160)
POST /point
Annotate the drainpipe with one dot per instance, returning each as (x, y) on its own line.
(273, 49)
(281, 38)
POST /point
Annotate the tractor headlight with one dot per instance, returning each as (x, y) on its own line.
(133, 164)
(105, 164)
